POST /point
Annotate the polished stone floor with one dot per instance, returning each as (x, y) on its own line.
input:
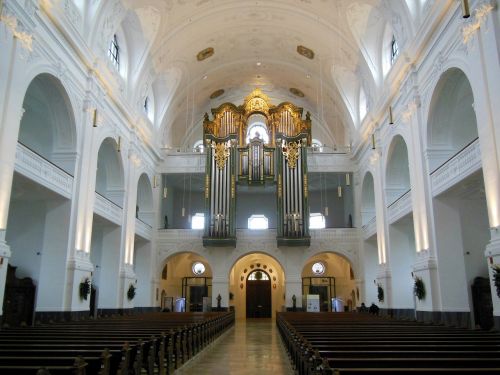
(251, 347)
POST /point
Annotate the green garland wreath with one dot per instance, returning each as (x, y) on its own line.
(84, 289)
(380, 293)
(496, 278)
(419, 288)
(131, 292)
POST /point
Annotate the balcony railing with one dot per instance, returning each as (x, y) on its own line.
(34, 166)
(459, 166)
(400, 207)
(144, 230)
(370, 228)
(107, 209)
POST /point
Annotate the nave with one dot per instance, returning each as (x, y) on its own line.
(252, 346)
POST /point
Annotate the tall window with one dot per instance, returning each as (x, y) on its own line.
(114, 52)
(259, 131)
(394, 50)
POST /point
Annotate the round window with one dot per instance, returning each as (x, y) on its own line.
(318, 268)
(198, 268)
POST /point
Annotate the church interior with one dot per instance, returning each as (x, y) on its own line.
(249, 186)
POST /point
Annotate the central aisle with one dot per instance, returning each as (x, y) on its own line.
(251, 347)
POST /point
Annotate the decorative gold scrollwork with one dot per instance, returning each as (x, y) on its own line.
(291, 153)
(222, 152)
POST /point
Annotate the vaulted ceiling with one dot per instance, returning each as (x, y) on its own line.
(255, 44)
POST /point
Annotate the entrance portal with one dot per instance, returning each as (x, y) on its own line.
(258, 295)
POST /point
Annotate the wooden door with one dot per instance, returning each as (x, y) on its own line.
(259, 298)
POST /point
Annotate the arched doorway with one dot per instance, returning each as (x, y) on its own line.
(329, 276)
(186, 277)
(243, 275)
(258, 294)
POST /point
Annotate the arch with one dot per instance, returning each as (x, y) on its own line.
(144, 205)
(110, 173)
(48, 123)
(367, 198)
(397, 171)
(161, 265)
(250, 252)
(451, 120)
(337, 281)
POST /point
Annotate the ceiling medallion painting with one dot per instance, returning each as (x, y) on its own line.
(306, 52)
(216, 93)
(205, 54)
(297, 92)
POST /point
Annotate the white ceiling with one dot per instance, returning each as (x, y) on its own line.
(345, 35)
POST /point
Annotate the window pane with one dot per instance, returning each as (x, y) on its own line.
(198, 221)
(316, 221)
(257, 222)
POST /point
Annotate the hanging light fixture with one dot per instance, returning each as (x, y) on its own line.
(119, 145)
(165, 192)
(373, 141)
(326, 197)
(189, 200)
(183, 211)
(94, 118)
(155, 181)
(339, 188)
(391, 120)
(347, 179)
(465, 9)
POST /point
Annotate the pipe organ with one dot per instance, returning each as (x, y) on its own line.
(256, 143)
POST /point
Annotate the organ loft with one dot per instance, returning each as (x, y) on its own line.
(257, 143)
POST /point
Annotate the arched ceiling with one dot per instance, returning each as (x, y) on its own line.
(255, 45)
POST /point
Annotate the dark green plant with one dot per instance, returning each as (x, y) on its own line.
(258, 275)
(131, 292)
(419, 288)
(85, 287)
(380, 293)
(496, 278)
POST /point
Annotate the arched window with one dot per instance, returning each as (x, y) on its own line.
(257, 130)
(258, 222)
(394, 49)
(198, 146)
(363, 105)
(114, 52)
(316, 145)
(258, 275)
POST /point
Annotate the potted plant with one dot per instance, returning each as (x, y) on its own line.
(380, 293)
(419, 288)
(131, 292)
(84, 289)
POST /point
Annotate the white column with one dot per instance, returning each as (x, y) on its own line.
(11, 69)
(425, 265)
(485, 81)
(127, 274)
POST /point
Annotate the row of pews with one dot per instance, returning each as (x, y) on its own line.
(362, 344)
(150, 343)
